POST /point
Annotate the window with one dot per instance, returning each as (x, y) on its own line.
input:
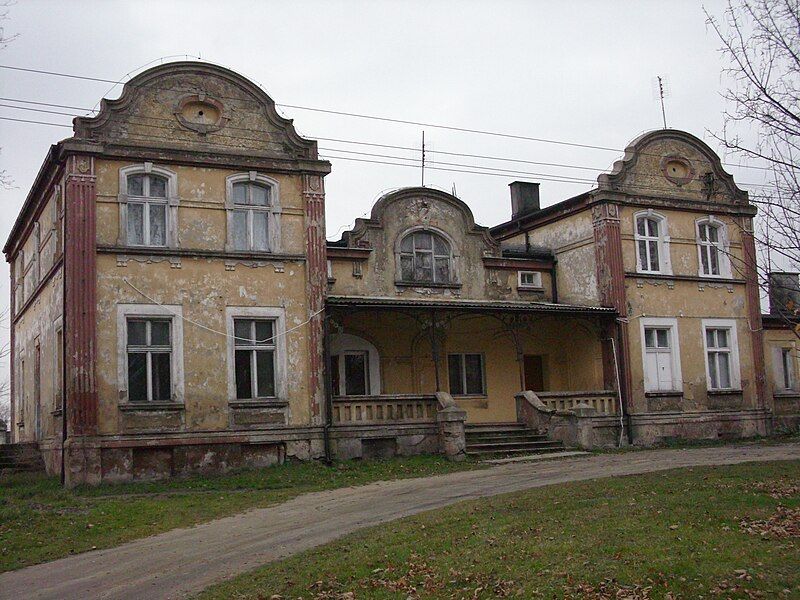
(712, 248)
(254, 358)
(466, 374)
(150, 353)
(529, 279)
(787, 369)
(149, 360)
(652, 243)
(19, 281)
(252, 202)
(722, 358)
(58, 375)
(148, 206)
(425, 258)
(147, 210)
(350, 373)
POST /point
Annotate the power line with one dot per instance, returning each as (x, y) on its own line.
(261, 141)
(468, 170)
(377, 118)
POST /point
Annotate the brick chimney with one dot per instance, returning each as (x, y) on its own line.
(524, 198)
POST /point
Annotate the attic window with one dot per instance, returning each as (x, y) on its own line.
(677, 170)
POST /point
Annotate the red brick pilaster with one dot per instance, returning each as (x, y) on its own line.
(611, 288)
(80, 318)
(754, 311)
(317, 278)
(12, 312)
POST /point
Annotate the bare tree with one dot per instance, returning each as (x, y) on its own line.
(761, 45)
(6, 180)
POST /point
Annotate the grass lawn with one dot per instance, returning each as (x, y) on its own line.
(40, 521)
(720, 532)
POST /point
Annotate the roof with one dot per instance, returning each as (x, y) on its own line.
(457, 303)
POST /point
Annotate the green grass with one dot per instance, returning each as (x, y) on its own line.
(41, 521)
(689, 533)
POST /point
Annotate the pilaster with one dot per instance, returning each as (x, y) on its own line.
(754, 312)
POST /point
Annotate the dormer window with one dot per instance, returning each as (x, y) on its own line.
(425, 257)
(147, 210)
(652, 243)
(253, 213)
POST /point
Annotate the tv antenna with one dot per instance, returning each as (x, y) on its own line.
(423, 158)
(661, 91)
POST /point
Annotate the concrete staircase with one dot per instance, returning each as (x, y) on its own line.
(507, 439)
(21, 457)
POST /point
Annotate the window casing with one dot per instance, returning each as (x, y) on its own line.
(652, 243)
(788, 374)
(252, 202)
(148, 202)
(466, 374)
(712, 248)
(722, 354)
(254, 358)
(257, 363)
(425, 257)
(150, 353)
(149, 357)
(529, 280)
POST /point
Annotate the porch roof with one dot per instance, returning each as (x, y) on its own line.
(470, 305)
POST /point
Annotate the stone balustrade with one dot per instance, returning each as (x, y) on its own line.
(604, 402)
(390, 408)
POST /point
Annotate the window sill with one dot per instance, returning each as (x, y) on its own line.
(538, 290)
(663, 393)
(787, 394)
(151, 406)
(428, 284)
(258, 403)
(730, 392)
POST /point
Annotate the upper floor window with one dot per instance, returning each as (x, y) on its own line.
(148, 206)
(711, 245)
(652, 243)
(425, 257)
(147, 210)
(253, 213)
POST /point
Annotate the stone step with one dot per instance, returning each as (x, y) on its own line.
(502, 446)
(508, 452)
(492, 428)
(505, 437)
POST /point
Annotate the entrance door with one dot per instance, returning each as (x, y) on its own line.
(534, 372)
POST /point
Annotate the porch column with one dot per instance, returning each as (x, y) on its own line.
(435, 350)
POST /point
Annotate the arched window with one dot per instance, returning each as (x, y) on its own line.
(712, 248)
(652, 243)
(148, 206)
(355, 366)
(253, 208)
(425, 257)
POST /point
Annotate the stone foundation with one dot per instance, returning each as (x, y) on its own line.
(651, 429)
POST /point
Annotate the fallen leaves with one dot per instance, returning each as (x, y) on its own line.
(785, 523)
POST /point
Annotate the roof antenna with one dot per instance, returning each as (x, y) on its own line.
(661, 91)
(423, 158)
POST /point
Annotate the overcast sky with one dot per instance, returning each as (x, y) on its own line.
(574, 71)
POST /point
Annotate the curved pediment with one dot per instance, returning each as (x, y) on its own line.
(187, 104)
(673, 164)
(421, 206)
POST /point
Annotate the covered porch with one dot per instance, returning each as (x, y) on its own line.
(388, 358)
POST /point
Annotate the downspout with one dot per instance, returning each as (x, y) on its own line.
(619, 392)
(326, 351)
(435, 349)
(554, 282)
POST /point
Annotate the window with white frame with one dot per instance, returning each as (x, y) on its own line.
(529, 279)
(722, 354)
(787, 369)
(147, 210)
(148, 206)
(253, 213)
(254, 358)
(661, 355)
(652, 243)
(712, 248)
(149, 356)
(150, 353)
(350, 373)
(466, 374)
(425, 257)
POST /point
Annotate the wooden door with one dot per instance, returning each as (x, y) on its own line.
(534, 372)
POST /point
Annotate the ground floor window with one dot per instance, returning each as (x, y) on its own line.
(350, 373)
(661, 355)
(149, 350)
(466, 374)
(254, 358)
(722, 358)
(787, 369)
